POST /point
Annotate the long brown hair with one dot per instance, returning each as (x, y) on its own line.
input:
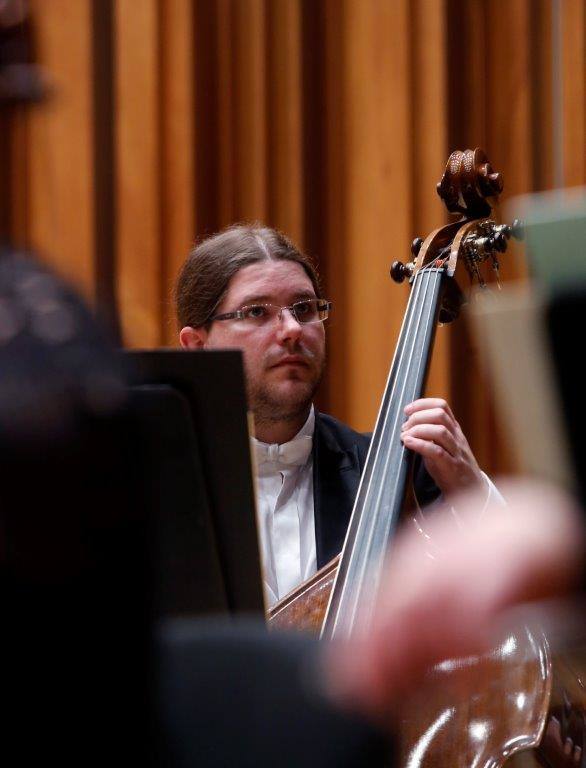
(211, 265)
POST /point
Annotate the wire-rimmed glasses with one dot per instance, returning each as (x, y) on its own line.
(304, 311)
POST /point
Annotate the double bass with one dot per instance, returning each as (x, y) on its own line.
(511, 704)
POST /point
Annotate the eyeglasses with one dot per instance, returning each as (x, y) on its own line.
(305, 311)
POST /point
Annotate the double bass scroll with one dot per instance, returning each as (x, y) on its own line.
(504, 709)
(443, 266)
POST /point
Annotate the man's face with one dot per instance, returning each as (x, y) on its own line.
(284, 360)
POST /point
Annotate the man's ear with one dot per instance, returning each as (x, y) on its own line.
(193, 338)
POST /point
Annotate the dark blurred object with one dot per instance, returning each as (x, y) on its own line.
(234, 695)
(556, 233)
(193, 409)
(564, 317)
(20, 80)
(74, 576)
(76, 584)
(74, 525)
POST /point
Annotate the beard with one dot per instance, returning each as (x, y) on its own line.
(287, 399)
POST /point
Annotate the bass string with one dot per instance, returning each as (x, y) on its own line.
(351, 583)
(420, 313)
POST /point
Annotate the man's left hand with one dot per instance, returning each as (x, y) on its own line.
(432, 431)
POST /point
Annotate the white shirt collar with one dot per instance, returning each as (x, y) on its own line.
(295, 452)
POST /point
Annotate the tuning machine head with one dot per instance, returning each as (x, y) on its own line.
(486, 242)
(399, 270)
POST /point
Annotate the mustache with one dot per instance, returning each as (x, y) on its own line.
(276, 357)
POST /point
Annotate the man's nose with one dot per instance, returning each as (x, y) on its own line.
(287, 325)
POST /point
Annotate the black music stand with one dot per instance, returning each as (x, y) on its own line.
(192, 408)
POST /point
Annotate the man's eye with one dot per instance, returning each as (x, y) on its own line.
(255, 312)
(303, 307)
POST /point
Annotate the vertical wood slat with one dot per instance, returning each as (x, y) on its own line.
(466, 57)
(470, 106)
(59, 187)
(509, 128)
(226, 108)
(329, 232)
(541, 95)
(429, 148)
(138, 171)
(104, 163)
(177, 139)
(285, 117)
(250, 109)
(377, 191)
(493, 110)
(15, 197)
(573, 68)
(510, 132)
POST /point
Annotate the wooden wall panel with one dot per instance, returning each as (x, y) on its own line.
(285, 118)
(429, 149)
(573, 67)
(226, 129)
(331, 119)
(138, 171)
(249, 114)
(178, 225)
(542, 95)
(509, 133)
(392, 152)
(326, 236)
(377, 186)
(491, 107)
(59, 136)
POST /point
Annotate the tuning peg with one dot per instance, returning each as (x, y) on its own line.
(499, 242)
(416, 246)
(400, 271)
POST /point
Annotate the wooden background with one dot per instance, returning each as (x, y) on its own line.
(331, 119)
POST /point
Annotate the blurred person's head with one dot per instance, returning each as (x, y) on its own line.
(72, 534)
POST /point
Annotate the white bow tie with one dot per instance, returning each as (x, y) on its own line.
(294, 453)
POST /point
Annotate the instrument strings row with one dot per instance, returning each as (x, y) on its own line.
(380, 496)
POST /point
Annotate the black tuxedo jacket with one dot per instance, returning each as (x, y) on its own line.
(339, 454)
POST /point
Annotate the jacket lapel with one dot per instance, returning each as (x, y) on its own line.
(336, 476)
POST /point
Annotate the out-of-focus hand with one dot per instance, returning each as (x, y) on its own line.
(431, 609)
(432, 431)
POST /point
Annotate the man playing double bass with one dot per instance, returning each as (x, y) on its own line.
(249, 287)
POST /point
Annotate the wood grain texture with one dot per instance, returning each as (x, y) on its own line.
(178, 225)
(59, 185)
(225, 120)
(250, 114)
(305, 607)
(573, 68)
(138, 171)
(285, 123)
(429, 148)
(377, 186)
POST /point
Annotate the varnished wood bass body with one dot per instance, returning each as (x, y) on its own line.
(304, 608)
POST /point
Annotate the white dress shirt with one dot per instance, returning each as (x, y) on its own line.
(284, 475)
